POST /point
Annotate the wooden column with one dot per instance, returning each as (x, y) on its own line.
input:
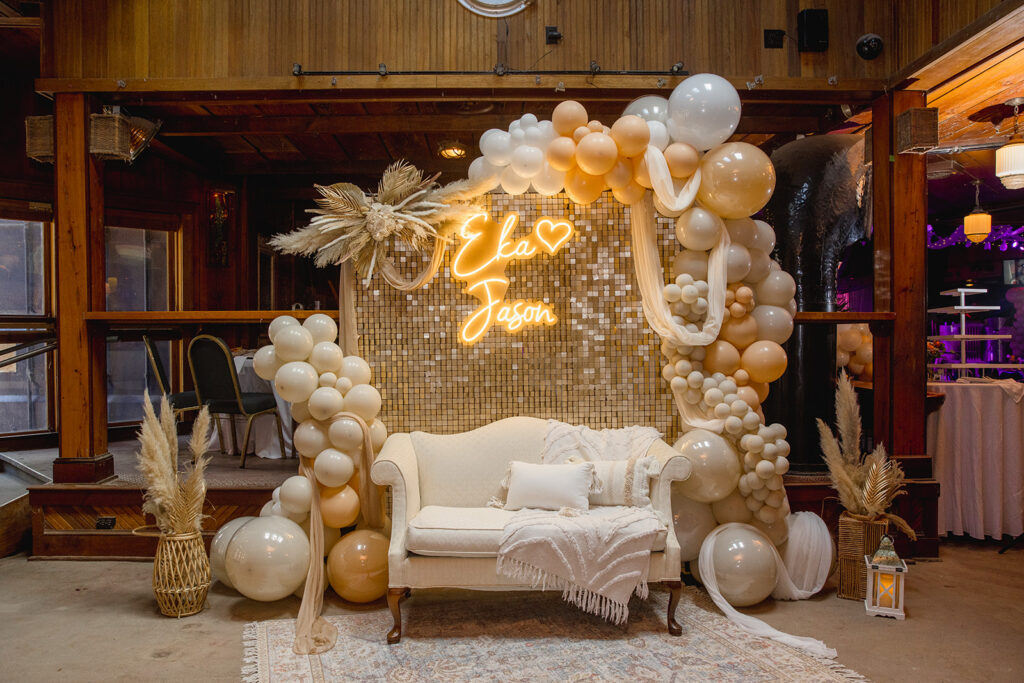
(881, 187)
(81, 356)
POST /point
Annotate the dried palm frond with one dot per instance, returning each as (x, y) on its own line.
(843, 473)
(408, 209)
(175, 501)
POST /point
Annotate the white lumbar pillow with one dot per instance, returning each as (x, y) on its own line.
(549, 487)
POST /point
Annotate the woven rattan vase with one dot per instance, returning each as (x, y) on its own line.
(181, 574)
(858, 536)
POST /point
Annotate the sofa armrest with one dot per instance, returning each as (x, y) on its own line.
(674, 467)
(396, 467)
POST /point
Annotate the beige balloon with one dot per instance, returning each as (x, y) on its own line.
(620, 175)
(740, 332)
(596, 154)
(568, 116)
(682, 159)
(582, 187)
(764, 360)
(339, 506)
(561, 153)
(357, 566)
(698, 229)
(773, 323)
(737, 180)
(631, 135)
(721, 356)
(745, 565)
(630, 194)
(732, 508)
(692, 522)
(642, 174)
(716, 467)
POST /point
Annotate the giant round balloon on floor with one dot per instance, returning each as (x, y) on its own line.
(744, 564)
(267, 558)
(357, 566)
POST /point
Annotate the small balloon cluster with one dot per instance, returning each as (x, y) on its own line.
(854, 350)
(267, 558)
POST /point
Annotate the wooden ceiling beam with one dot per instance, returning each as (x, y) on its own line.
(345, 168)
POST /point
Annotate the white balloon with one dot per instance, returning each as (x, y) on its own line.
(310, 438)
(649, 108)
(716, 466)
(267, 558)
(484, 172)
(517, 137)
(549, 181)
(295, 381)
(292, 343)
(333, 468)
(659, 135)
(692, 521)
(527, 121)
(325, 402)
(703, 111)
(219, 548)
(513, 183)
(345, 434)
(745, 566)
(322, 327)
(266, 363)
(535, 137)
(496, 145)
(296, 494)
(278, 323)
(527, 161)
(326, 356)
(276, 510)
(363, 400)
(356, 369)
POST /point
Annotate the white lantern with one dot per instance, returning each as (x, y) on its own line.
(886, 572)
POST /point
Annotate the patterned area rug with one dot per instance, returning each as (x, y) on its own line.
(532, 637)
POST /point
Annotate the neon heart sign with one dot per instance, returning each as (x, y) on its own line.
(481, 260)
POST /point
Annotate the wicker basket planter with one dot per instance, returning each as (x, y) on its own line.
(858, 536)
(39, 138)
(110, 136)
(181, 574)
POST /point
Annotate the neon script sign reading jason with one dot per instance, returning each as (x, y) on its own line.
(480, 262)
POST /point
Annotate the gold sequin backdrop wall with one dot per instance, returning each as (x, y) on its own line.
(600, 365)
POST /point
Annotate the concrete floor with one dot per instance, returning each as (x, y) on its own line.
(93, 621)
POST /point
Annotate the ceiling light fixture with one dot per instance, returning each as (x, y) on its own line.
(977, 224)
(452, 149)
(1010, 157)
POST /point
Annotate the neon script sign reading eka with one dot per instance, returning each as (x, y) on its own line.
(480, 262)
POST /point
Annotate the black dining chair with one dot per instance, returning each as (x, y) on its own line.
(181, 401)
(217, 387)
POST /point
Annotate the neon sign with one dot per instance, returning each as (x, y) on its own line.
(480, 262)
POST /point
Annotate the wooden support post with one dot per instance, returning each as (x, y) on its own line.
(348, 336)
(81, 355)
(881, 186)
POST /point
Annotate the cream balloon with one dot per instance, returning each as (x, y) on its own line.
(357, 567)
(363, 400)
(484, 173)
(549, 181)
(219, 548)
(326, 356)
(322, 327)
(296, 494)
(496, 146)
(659, 135)
(328, 379)
(378, 434)
(745, 565)
(333, 468)
(765, 237)
(776, 289)
(267, 558)
(266, 363)
(692, 522)
(703, 111)
(777, 532)
(698, 229)
(339, 506)
(621, 174)
(293, 343)
(512, 183)
(848, 338)
(760, 266)
(716, 467)
(764, 360)
(325, 402)
(345, 434)
(631, 135)
(742, 231)
(310, 437)
(300, 411)
(527, 161)
(295, 381)
(732, 508)
(356, 369)
(737, 262)
(737, 179)
(691, 262)
(649, 108)
(773, 323)
(279, 323)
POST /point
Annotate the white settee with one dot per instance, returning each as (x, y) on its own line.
(443, 533)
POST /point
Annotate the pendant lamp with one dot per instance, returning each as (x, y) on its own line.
(1010, 157)
(977, 224)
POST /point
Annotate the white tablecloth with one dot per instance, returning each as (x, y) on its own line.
(976, 441)
(264, 429)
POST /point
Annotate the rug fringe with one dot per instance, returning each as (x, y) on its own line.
(250, 653)
(840, 670)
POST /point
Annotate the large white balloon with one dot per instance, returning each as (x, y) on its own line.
(266, 363)
(496, 146)
(703, 111)
(363, 400)
(310, 438)
(325, 402)
(549, 181)
(322, 327)
(692, 521)
(527, 161)
(326, 356)
(649, 108)
(716, 467)
(745, 565)
(219, 548)
(774, 323)
(295, 381)
(659, 135)
(267, 558)
(513, 183)
(484, 172)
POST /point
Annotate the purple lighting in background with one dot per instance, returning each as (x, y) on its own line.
(1000, 233)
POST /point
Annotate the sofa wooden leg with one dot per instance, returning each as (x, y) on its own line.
(675, 588)
(395, 596)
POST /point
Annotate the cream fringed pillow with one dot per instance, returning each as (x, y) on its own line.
(624, 482)
(550, 487)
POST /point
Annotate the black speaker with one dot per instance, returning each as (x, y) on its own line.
(812, 30)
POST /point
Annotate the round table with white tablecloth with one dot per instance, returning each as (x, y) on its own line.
(264, 432)
(976, 442)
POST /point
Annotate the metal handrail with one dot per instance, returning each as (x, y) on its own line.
(49, 344)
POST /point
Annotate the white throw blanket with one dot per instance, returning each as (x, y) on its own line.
(565, 440)
(598, 559)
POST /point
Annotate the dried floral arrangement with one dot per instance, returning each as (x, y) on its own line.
(407, 208)
(174, 499)
(867, 483)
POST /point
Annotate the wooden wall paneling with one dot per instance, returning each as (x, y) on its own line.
(922, 24)
(82, 356)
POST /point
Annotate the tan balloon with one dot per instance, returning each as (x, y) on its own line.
(568, 116)
(641, 174)
(631, 134)
(732, 508)
(596, 154)
(630, 194)
(747, 394)
(620, 175)
(740, 332)
(682, 159)
(561, 153)
(764, 360)
(583, 188)
(737, 179)
(761, 388)
(339, 506)
(721, 356)
(699, 229)
(357, 566)
(595, 126)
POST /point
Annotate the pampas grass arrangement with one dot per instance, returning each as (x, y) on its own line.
(174, 499)
(866, 483)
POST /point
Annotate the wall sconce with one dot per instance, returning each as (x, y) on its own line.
(886, 572)
(977, 224)
(1010, 157)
